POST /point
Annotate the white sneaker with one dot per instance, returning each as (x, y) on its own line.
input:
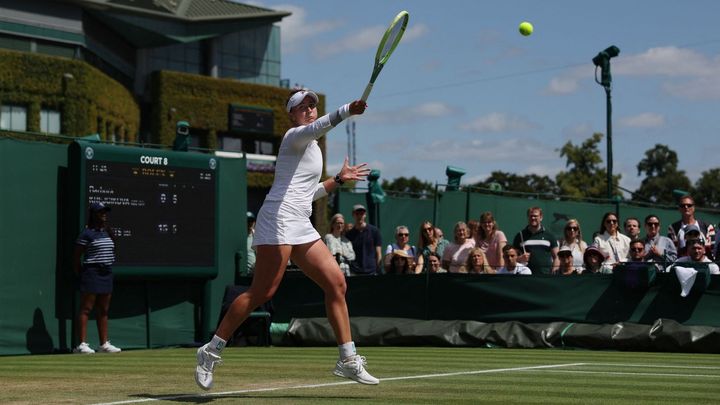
(107, 347)
(206, 362)
(83, 348)
(354, 368)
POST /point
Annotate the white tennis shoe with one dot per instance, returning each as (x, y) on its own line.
(108, 347)
(206, 362)
(83, 348)
(354, 368)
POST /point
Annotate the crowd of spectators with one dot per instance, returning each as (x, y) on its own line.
(481, 247)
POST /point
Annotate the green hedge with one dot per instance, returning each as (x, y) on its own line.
(89, 100)
(204, 102)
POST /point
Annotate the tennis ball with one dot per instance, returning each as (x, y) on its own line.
(525, 28)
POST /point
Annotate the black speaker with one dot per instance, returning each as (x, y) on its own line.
(255, 330)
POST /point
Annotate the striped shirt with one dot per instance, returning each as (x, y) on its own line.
(99, 247)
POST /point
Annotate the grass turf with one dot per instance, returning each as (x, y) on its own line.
(282, 375)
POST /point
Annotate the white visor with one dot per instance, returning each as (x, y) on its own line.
(298, 97)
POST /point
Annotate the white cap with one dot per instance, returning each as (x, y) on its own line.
(298, 97)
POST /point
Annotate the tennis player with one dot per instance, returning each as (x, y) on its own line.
(283, 231)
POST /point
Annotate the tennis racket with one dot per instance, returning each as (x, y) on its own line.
(387, 45)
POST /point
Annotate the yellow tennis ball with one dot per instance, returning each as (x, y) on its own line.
(525, 28)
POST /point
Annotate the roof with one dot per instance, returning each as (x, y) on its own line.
(187, 10)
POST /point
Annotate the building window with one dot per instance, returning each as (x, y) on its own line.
(180, 58)
(230, 143)
(263, 148)
(13, 118)
(252, 55)
(50, 121)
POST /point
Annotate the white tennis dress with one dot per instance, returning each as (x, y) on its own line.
(284, 218)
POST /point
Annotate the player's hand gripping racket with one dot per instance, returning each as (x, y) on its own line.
(387, 45)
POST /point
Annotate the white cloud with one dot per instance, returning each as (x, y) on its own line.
(498, 122)
(686, 73)
(706, 88)
(666, 61)
(367, 38)
(545, 170)
(410, 114)
(644, 120)
(452, 150)
(577, 132)
(296, 30)
(562, 85)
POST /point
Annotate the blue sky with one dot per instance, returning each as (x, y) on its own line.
(464, 88)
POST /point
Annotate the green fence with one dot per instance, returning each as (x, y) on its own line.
(37, 293)
(38, 298)
(596, 299)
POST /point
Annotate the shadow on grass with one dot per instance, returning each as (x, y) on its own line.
(201, 398)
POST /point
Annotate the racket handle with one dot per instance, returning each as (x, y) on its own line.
(366, 93)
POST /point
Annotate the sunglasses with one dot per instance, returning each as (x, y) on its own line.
(686, 205)
(572, 228)
(403, 234)
(611, 221)
(652, 224)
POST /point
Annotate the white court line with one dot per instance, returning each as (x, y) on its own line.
(655, 366)
(218, 394)
(629, 373)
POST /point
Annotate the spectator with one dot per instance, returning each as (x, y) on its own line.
(676, 231)
(593, 260)
(538, 246)
(477, 263)
(340, 247)
(473, 227)
(491, 240)
(251, 257)
(567, 265)
(632, 228)
(441, 241)
(637, 251)
(400, 263)
(434, 263)
(691, 232)
(456, 253)
(610, 240)
(426, 244)
(696, 254)
(512, 266)
(658, 249)
(366, 242)
(402, 236)
(572, 239)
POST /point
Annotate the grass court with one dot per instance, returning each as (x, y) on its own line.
(409, 375)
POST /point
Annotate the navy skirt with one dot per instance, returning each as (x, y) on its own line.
(96, 279)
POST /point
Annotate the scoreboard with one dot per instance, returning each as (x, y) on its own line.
(163, 206)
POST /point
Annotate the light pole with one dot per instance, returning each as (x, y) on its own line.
(602, 61)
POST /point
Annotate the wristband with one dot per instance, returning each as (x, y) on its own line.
(338, 180)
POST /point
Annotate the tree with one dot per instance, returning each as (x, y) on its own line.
(585, 178)
(707, 193)
(411, 185)
(531, 183)
(661, 176)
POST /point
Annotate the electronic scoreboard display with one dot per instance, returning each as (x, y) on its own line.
(163, 205)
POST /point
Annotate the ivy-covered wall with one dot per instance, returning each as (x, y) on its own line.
(204, 102)
(88, 100)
